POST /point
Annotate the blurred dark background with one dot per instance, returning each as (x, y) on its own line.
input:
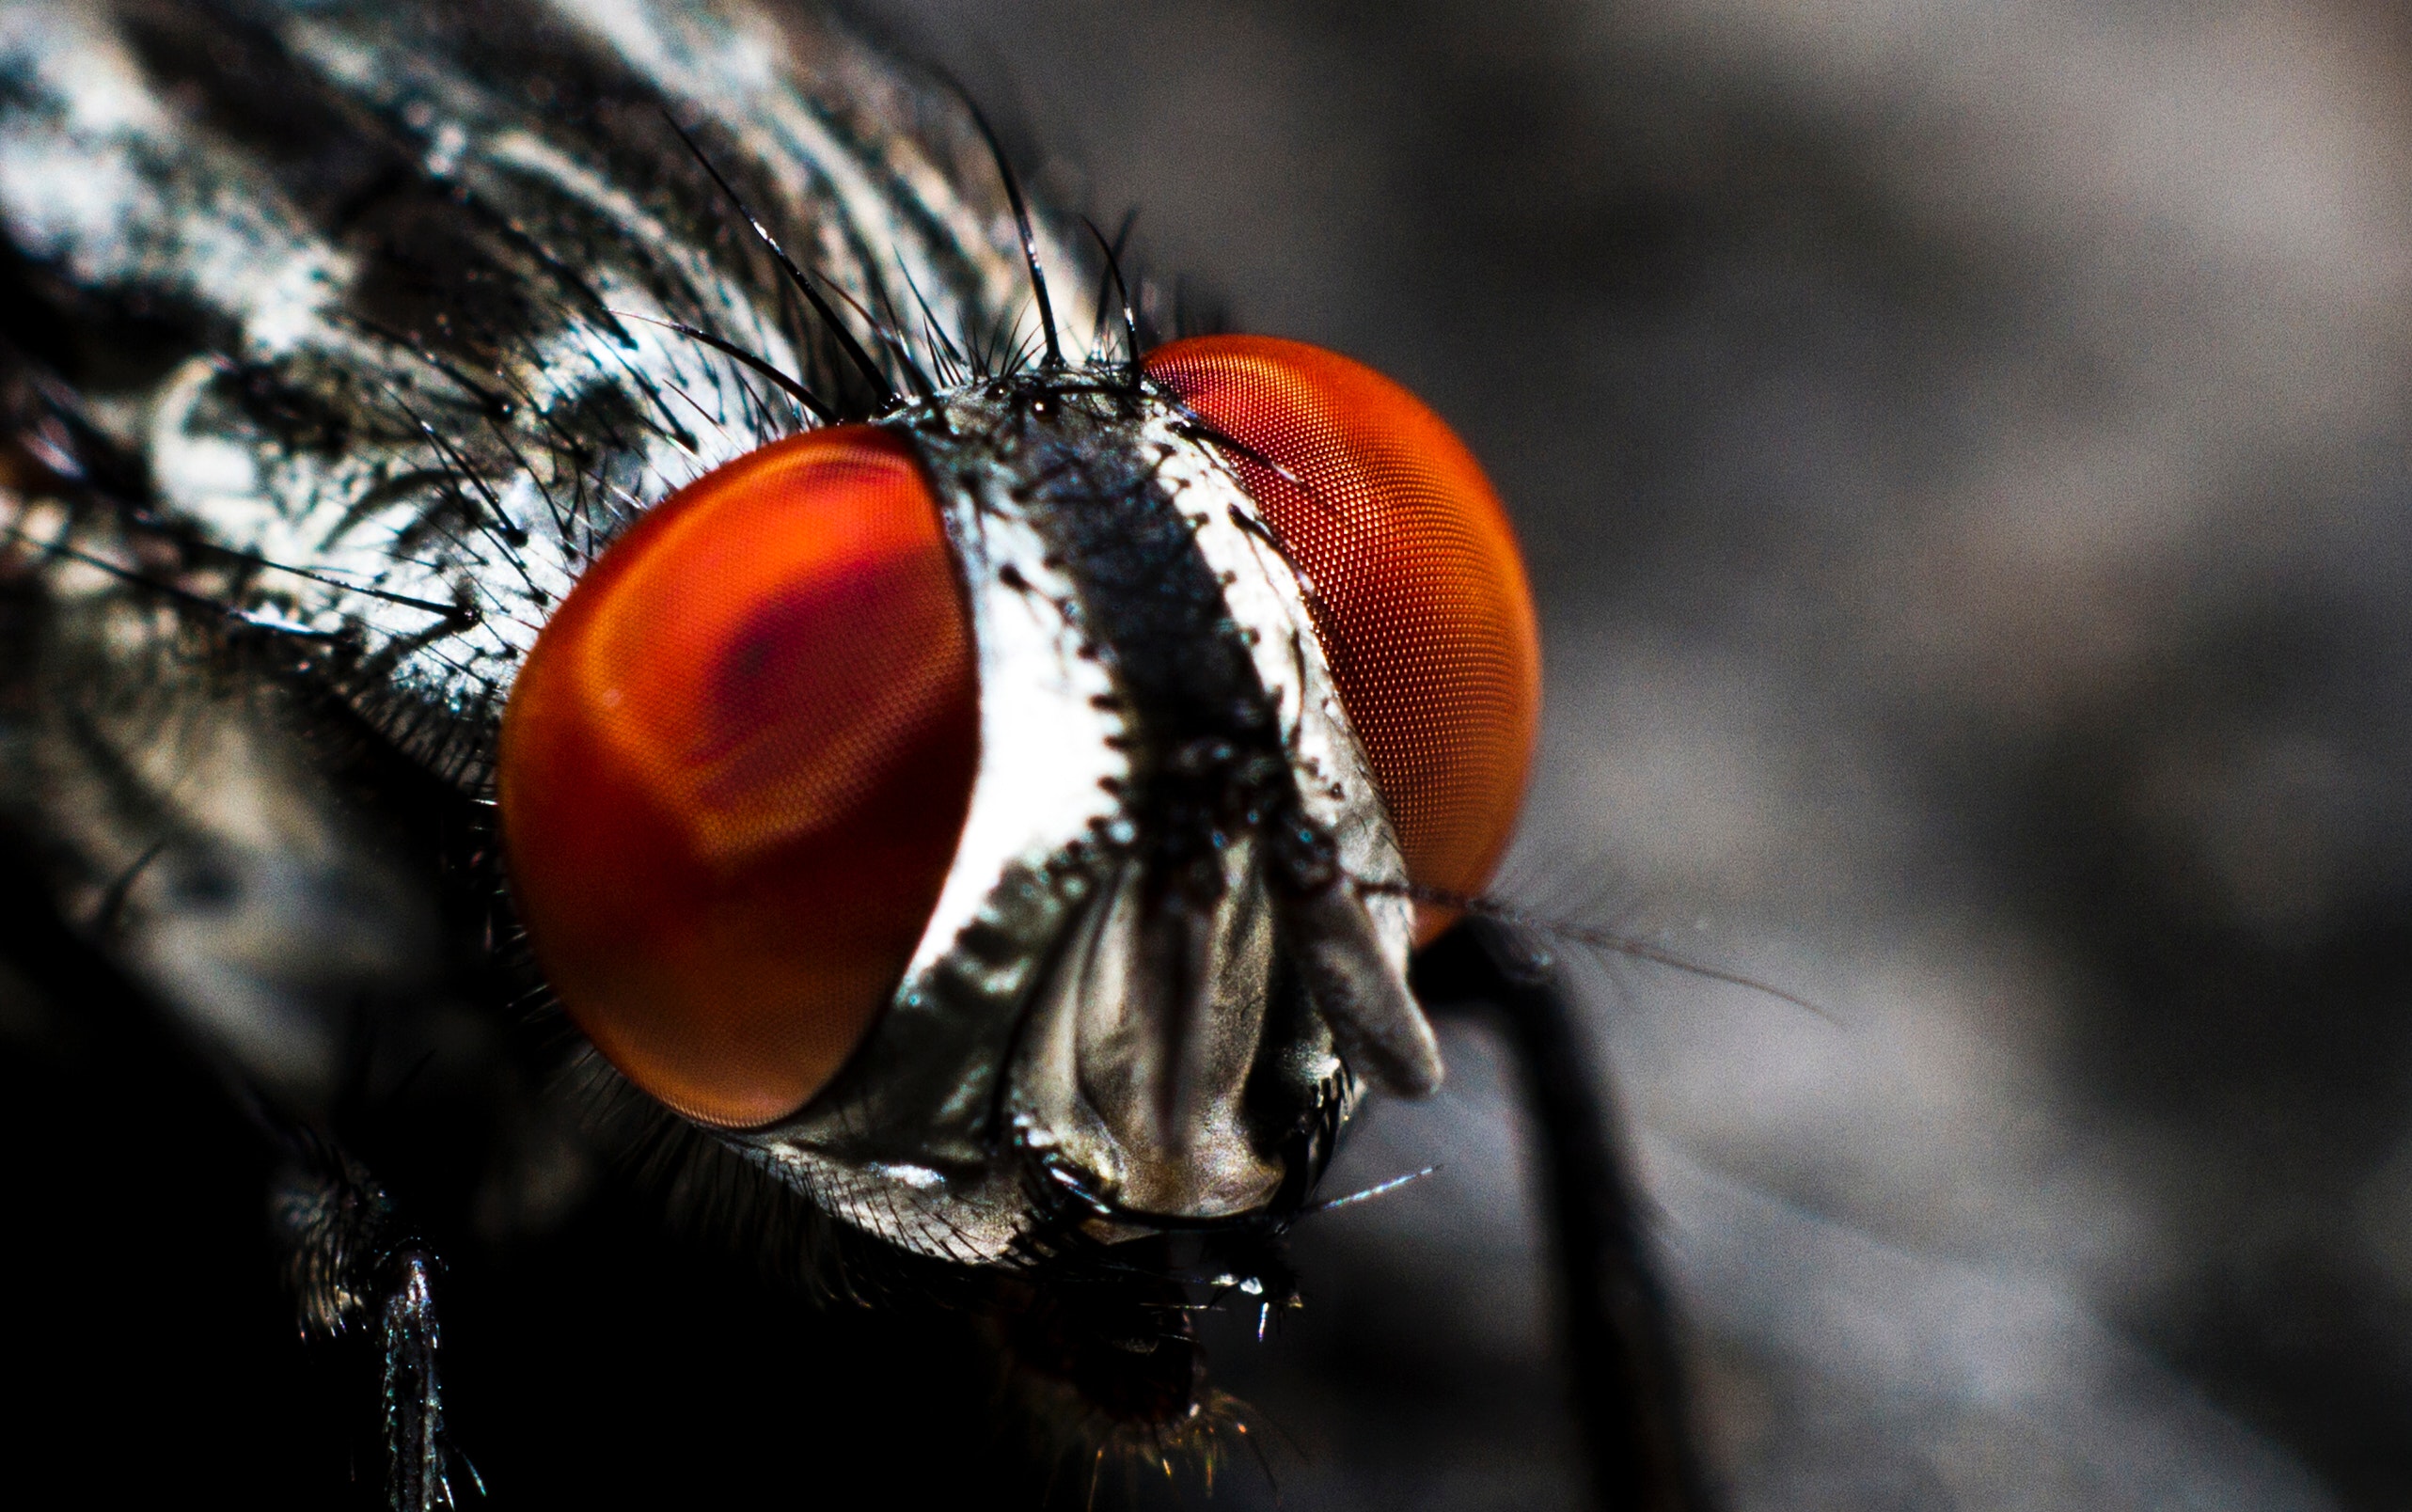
(1962, 449)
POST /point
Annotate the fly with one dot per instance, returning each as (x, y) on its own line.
(640, 490)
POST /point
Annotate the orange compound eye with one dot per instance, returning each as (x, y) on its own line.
(734, 770)
(1426, 614)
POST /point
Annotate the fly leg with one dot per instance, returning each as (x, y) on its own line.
(178, 880)
(348, 1254)
(349, 1257)
(1628, 1388)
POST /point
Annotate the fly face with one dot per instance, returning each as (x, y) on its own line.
(1002, 806)
(1104, 1007)
(1165, 915)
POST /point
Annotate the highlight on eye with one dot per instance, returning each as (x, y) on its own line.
(735, 768)
(1423, 606)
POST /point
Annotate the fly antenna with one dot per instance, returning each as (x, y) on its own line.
(852, 348)
(1021, 221)
(1122, 290)
(1376, 1190)
(1639, 950)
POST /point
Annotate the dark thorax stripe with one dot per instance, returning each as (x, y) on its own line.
(392, 242)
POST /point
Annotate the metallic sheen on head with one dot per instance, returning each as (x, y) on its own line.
(1156, 938)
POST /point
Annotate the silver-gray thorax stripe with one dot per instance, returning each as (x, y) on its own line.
(411, 282)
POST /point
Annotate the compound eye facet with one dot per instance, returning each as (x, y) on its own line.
(1424, 613)
(734, 769)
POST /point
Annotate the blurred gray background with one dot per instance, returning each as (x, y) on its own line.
(1962, 449)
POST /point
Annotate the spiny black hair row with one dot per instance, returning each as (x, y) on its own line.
(999, 355)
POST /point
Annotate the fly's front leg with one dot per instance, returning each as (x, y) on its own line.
(347, 1255)
(1629, 1394)
(415, 1446)
(172, 835)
